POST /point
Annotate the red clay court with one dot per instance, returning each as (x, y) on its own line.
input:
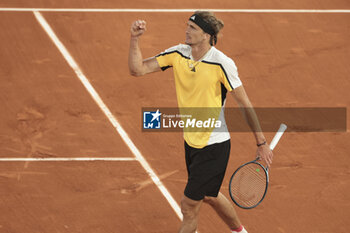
(73, 155)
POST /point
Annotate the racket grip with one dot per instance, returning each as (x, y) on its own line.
(278, 136)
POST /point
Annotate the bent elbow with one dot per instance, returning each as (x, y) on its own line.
(135, 73)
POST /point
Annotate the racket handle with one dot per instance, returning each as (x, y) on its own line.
(278, 136)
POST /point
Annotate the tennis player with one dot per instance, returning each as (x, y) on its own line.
(203, 76)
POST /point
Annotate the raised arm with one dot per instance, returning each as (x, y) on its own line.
(138, 66)
(244, 103)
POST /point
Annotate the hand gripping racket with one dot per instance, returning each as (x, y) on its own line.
(248, 184)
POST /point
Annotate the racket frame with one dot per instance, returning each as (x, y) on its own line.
(266, 186)
(273, 144)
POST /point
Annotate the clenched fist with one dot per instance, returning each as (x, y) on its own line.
(138, 28)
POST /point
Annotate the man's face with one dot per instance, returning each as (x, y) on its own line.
(194, 34)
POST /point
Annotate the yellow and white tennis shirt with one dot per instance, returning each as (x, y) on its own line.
(201, 84)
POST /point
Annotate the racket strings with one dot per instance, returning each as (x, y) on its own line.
(248, 185)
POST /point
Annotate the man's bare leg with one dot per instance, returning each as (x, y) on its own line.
(225, 210)
(190, 211)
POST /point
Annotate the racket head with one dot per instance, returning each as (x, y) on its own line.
(248, 185)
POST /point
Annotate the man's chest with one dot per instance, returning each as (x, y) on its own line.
(191, 73)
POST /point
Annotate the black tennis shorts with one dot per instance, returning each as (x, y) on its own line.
(206, 169)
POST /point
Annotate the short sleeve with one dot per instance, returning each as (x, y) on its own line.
(166, 58)
(231, 79)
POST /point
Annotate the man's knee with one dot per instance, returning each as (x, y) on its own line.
(210, 200)
(190, 208)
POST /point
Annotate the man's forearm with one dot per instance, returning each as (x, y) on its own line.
(249, 113)
(135, 57)
(253, 122)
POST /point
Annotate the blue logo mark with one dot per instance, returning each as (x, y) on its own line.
(151, 120)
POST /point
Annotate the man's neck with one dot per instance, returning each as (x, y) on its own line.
(199, 50)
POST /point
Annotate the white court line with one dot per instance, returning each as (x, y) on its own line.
(107, 112)
(87, 159)
(179, 10)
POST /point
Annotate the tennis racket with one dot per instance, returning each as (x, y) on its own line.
(248, 184)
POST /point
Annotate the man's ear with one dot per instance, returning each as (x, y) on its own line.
(207, 36)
